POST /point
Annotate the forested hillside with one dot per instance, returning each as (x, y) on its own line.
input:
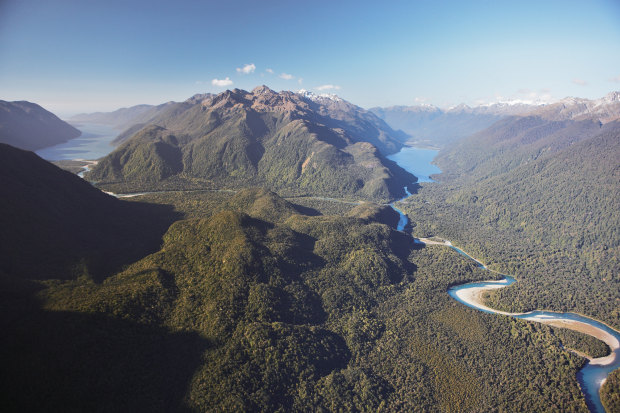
(284, 141)
(252, 304)
(56, 225)
(537, 199)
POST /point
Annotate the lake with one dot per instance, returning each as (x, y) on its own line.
(417, 161)
(94, 143)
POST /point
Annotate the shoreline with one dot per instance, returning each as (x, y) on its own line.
(473, 297)
(592, 376)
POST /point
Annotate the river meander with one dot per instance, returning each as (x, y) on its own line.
(592, 376)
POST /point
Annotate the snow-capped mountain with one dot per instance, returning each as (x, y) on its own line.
(431, 125)
(319, 97)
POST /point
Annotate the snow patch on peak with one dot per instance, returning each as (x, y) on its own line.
(612, 97)
(515, 102)
(319, 98)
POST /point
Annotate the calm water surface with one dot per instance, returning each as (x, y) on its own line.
(417, 161)
(94, 143)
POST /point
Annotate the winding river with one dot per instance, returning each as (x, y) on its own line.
(592, 376)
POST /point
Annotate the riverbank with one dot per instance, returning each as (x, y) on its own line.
(473, 296)
(594, 374)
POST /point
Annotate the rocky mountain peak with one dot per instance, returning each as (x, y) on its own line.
(199, 98)
(612, 97)
(262, 90)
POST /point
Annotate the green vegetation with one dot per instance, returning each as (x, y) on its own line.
(189, 204)
(254, 306)
(324, 206)
(74, 167)
(214, 300)
(610, 392)
(540, 203)
(239, 139)
(583, 343)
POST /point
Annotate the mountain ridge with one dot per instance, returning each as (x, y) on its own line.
(29, 126)
(282, 140)
(71, 228)
(441, 127)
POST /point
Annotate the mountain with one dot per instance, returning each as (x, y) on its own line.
(124, 118)
(28, 126)
(286, 141)
(429, 125)
(363, 125)
(516, 140)
(604, 110)
(56, 225)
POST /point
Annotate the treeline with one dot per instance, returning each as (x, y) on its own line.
(610, 392)
(583, 343)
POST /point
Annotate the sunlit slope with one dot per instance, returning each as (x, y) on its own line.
(239, 139)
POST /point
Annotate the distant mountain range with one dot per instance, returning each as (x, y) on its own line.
(542, 131)
(28, 126)
(430, 125)
(291, 142)
(124, 118)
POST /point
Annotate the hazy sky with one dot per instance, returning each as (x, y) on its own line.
(79, 55)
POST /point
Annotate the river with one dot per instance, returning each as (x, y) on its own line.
(418, 162)
(592, 376)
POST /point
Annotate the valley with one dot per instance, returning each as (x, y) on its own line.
(297, 299)
(242, 206)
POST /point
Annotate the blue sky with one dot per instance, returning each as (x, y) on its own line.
(74, 56)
